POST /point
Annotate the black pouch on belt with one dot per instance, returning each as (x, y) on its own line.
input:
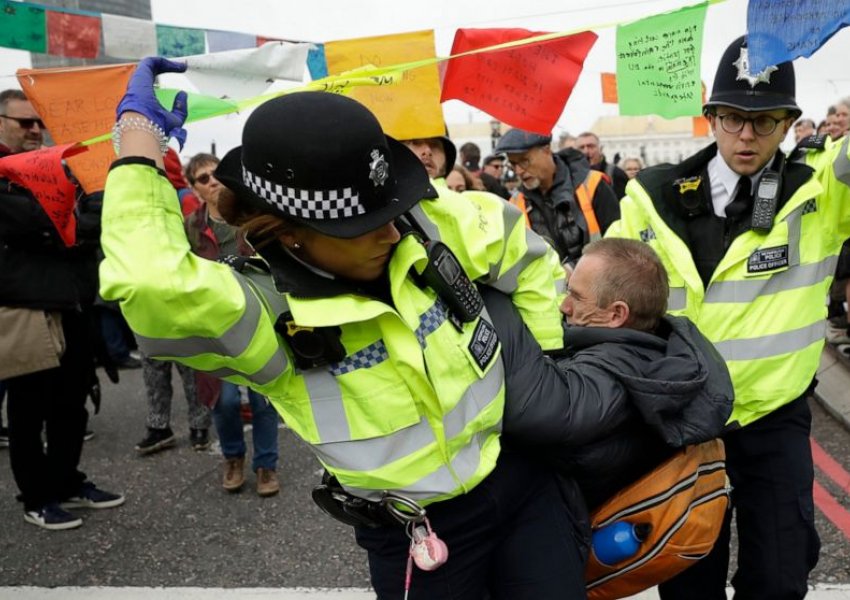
(350, 510)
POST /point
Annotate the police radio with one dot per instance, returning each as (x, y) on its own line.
(766, 199)
(446, 277)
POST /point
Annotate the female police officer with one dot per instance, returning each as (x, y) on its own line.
(364, 335)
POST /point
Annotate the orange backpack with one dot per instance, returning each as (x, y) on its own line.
(683, 502)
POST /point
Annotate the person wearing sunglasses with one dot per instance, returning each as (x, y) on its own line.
(21, 129)
(750, 241)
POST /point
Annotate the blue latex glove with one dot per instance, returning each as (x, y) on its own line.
(140, 97)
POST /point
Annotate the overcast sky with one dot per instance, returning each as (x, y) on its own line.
(821, 80)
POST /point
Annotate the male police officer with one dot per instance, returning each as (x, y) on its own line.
(750, 242)
(563, 200)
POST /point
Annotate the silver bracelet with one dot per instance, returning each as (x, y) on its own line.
(138, 124)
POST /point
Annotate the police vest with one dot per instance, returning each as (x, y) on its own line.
(415, 403)
(763, 308)
(584, 193)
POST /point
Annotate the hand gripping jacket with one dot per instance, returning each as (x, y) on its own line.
(764, 306)
(414, 407)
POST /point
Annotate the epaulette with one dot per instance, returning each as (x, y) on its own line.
(813, 142)
(242, 263)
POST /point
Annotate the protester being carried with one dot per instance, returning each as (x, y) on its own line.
(634, 385)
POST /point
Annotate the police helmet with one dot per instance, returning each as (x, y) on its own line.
(734, 86)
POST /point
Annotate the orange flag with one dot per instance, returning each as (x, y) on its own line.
(78, 103)
(609, 88)
(700, 127)
(42, 173)
(525, 86)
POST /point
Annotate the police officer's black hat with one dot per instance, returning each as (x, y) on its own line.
(323, 161)
(734, 86)
(519, 140)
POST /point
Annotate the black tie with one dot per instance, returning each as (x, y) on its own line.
(743, 199)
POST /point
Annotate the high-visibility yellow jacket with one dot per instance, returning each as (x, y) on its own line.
(764, 306)
(415, 406)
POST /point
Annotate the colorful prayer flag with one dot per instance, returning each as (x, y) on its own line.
(76, 104)
(128, 38)
(526, 86)
(179, 41)
(43, 174)
(316, 62)
(407, 110)
(782, 31)
(658, 64)
(609, 88)
(76, 36)
(23, 27)
(222, 41)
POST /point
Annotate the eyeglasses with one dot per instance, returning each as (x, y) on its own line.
(26, 123)
(204, 178)
(523, 162)
(762, 124)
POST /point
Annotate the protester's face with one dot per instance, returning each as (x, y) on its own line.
(833, 128)
(495, 168)
(206, 186)
(535, 167)
(842, 117)
(632, 168)
(590, 147)
(362, 258)
(580, 304)
(802, 131)
(21, 136)
(746, 152)
(430, 151)
(455, 181)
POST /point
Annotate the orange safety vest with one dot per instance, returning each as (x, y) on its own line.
(584, 194)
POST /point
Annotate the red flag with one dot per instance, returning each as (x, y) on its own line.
(526, 86)
(72, 35)
(43, 174)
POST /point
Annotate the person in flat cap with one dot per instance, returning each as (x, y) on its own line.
(358, 319)
(563, 199)
(750, 241)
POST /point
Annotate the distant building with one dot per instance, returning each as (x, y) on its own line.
(652, 139)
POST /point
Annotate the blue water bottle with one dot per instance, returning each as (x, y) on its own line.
(618, 541)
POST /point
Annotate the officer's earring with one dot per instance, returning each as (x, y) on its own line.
(296, 246)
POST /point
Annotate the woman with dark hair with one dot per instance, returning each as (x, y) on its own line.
(360, 324)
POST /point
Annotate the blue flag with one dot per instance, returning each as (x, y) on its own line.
(782, 30)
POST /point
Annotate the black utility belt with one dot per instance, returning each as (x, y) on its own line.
(352, 510)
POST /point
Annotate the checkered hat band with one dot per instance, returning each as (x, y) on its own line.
(306, 204)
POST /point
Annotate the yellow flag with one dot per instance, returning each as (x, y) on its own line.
(408, 109)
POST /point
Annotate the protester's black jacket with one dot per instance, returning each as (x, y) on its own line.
(617, 405)
(36, 269)
(557, 217)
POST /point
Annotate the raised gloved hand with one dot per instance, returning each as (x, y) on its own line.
(140, 97)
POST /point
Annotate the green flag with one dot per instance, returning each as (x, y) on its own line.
(23, 27)
(179, 41)
(658, 64)
(200, 107)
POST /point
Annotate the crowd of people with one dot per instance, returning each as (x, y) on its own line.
(478, 351)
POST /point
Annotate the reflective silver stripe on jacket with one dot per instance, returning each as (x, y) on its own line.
(343, 453)
(232, 342)
(511, 215)
(443, 480)
(428, 226)
(508, 282)
(677, 298)
(772, 345)
(273, 369)
(841, 166)
(746, 291)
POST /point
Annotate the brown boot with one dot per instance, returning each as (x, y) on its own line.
(267, 483)
(234, 475)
